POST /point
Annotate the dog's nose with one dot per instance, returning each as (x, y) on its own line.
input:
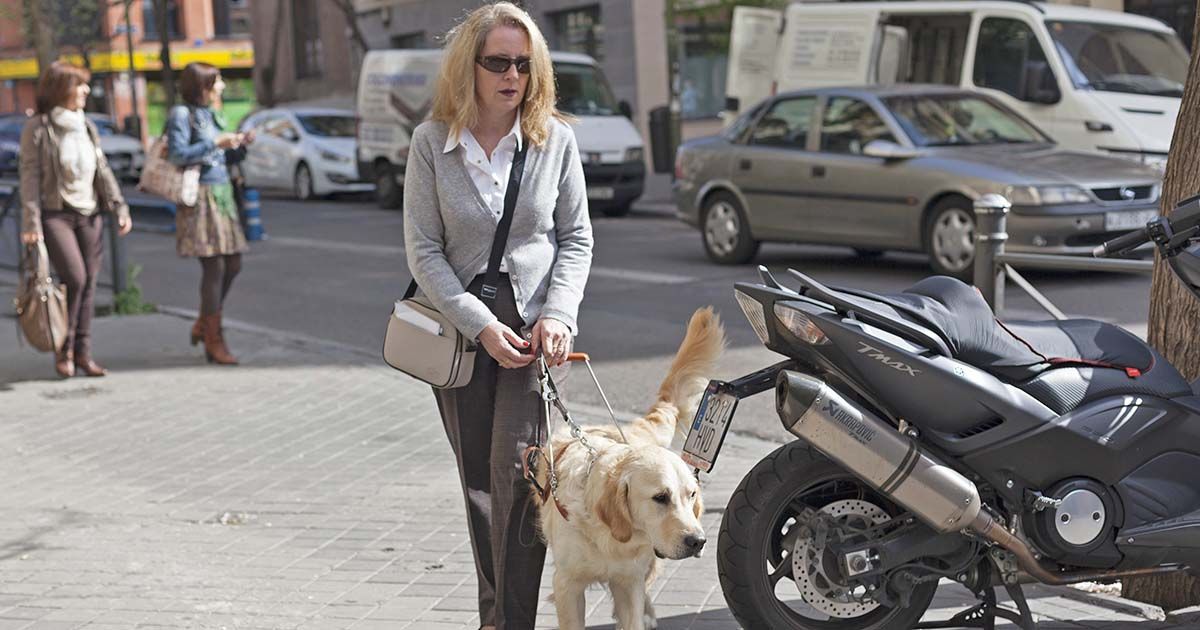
(694, 544)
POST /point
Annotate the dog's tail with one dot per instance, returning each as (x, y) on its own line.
(694, 363)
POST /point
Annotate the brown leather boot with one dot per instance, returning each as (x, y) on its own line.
(214, 343)
(64, 363)
(198, 330)
(89, 367)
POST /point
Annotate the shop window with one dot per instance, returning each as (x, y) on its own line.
(306, 39)
(150, 19)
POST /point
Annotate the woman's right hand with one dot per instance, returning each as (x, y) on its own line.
(505, 346)
(227, 140)
(30, 238)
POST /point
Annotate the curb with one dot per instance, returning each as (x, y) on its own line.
(290, 338)
(1149, 612)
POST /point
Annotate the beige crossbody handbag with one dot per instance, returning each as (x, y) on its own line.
(41, 305)
(420, 341)
(178, 184)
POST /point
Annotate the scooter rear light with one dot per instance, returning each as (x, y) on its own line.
(754, 314)
(799, 324)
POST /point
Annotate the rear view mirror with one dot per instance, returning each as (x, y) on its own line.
(1040, 86)
(625, 109)
(888, 150)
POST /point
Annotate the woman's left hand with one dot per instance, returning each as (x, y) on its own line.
(552, 338)
(124, 225)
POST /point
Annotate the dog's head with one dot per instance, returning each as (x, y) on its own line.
(652, 491)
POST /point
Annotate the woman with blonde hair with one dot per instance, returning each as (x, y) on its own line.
(494, 126)
(65, 184)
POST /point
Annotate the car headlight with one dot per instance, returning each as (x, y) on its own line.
(635, 154)
(1046, 195)
(1155, 161)
(335, 157)
(10, 147)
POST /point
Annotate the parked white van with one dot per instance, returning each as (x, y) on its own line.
(395, 94)
(1092, 79)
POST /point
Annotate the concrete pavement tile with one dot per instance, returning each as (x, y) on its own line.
(14, 624)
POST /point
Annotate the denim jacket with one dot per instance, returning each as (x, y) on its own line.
(191, 139)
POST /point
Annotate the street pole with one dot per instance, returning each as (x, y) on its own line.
(991, 232)
(132, 77)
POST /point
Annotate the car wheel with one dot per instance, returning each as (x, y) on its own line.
(950, 238)
(303, 184)
(726, 233)
(388, 193)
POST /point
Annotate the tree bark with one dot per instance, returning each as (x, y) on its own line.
(267, 98)
(164, 54)
(43, 34)
(1175, 314)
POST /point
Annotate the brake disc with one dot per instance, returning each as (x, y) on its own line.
(821, 585)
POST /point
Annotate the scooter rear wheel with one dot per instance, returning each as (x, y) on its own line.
(765, 587)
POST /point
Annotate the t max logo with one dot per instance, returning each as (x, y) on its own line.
(878, 355)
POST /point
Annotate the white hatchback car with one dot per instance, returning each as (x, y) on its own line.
(308, 151)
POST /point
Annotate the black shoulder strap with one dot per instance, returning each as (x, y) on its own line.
(492, 277)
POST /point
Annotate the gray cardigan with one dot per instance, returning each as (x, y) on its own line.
(448, 230)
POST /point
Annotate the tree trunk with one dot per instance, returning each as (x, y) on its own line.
(1175, 314)
(164, 55)
(43, 34)
(268, 72)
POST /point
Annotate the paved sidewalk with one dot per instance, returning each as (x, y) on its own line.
(308, 488)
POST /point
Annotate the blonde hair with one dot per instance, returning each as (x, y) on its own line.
(454, 99)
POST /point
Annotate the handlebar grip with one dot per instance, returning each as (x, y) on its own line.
(1122, 243)
(578, 356)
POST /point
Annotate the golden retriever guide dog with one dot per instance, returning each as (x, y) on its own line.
(636, 502)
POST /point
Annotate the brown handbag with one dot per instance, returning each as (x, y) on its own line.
(41, 305)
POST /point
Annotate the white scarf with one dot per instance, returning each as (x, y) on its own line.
(77, 155)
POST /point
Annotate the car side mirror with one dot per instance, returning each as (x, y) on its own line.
(1040, 86)
(889, 150)
(626, 109)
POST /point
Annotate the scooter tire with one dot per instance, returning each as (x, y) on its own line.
(745, 540)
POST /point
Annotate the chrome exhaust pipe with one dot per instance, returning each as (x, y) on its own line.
(876, 452)
(895, 465)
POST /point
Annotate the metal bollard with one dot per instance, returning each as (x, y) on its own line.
(117, 247)
(991, 219)
(253, 210)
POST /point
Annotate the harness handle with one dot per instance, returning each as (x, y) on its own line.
(578, 356)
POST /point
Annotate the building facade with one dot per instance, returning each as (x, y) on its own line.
(211, 31)
(308, 43)
(624, 36)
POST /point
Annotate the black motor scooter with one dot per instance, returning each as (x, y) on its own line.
(937, 442)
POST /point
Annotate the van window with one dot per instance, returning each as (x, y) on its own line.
(1009, 58)
(787, 124)
(1115, 58)
(583, 91)
(849, 125)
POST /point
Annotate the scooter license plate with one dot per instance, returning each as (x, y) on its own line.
(712, 420)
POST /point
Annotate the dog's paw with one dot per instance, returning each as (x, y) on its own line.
(649, 621)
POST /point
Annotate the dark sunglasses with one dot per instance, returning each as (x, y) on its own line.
(499, 64)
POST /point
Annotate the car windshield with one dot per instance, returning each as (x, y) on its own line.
(328, 126)
(582, 90)
(1115, 58)
(932, 120)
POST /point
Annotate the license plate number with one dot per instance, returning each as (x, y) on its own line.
(712, 420)
(600, 192)
(1118, 221)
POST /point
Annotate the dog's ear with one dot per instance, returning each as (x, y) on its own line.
(613, 508)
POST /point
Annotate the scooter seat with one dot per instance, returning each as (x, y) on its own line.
(1061, 363)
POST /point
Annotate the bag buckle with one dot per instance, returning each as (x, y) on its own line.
(488, 291)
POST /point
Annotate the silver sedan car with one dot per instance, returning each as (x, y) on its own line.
(896, 168)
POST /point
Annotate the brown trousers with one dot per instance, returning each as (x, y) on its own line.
(490, 421)
(76, 247)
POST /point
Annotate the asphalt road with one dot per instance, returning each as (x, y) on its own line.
(331, 269)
